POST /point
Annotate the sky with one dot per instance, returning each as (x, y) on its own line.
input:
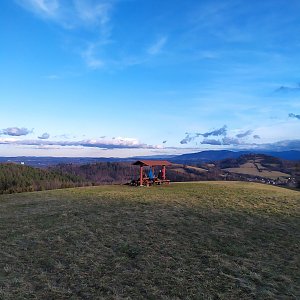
(148, 77)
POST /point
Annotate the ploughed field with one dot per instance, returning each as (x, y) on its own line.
(206, 240)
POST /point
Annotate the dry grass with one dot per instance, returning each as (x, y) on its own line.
(181, 169)
(217, 240)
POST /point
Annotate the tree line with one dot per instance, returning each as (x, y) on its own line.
(15, 178)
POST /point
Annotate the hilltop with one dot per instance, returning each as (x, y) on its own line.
(208, 240)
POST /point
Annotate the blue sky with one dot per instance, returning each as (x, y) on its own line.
(138, 77)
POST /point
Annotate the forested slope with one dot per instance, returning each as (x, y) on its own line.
(16, 178)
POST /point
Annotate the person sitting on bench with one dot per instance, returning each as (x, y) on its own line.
(159, 176)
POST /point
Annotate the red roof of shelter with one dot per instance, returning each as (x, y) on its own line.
(152, 163)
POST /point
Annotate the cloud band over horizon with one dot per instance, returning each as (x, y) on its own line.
(116, 143)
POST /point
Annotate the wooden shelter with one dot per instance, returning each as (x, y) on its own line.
(149, 180)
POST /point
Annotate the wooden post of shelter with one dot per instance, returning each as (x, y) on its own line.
(164, 172)
(141, 175)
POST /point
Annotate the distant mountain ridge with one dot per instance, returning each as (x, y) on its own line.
(215, 155)
(197, 157)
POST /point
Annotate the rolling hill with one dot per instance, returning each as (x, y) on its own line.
(261, 165)
(207, 240)
(215, 155)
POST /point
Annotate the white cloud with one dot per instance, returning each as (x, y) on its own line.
(44, 8)
(281, 130)
(71, 13)
(90, 57)
(15, 131)
(114, 143)
(94, 16)
(93, 11)
(157, 46)
(8, 140)
(44, 136)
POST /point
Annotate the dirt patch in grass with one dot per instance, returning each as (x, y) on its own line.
(183, 241)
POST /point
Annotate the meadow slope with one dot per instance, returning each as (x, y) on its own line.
(206, 240)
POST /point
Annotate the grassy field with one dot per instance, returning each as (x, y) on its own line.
(212, 240)
(181, 168)
(257, 170)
